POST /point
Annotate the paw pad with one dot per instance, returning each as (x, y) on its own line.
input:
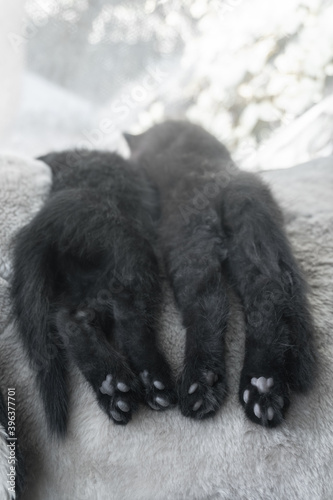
(145, 377)
(263, 384)
(116, 416)
(246, 396)
(257, 410)
(156, 401)
(197, 405)
(159, 385)
(263, 400)
(122, 387)
(193, 388)
(211, 378)
(201, 391)
(106, 387)
(270, 413)
(122, 400)
(161, 401)
(123, 406)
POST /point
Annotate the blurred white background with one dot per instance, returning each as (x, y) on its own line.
(258, 74)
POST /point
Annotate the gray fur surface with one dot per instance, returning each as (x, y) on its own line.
(166, 456)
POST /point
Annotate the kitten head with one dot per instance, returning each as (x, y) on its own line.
(157, 139)
(178, 137)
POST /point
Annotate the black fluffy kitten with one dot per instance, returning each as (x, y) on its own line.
(214, 218)
(86, 287)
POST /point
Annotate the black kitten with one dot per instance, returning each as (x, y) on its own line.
(85, 272)
(214, 218)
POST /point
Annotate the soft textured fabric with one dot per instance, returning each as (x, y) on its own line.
(23, 184)
(165, 455)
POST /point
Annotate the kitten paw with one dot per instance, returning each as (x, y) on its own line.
(265, 399)
(201, 392)
(159, 393)
(119, 396)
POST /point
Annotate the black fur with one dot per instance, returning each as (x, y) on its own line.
(219, 221)
(86, 287)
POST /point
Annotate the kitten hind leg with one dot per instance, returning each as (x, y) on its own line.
(136, 310)
(200, 294)
(138, 341)
(279, 347)
(116, 387)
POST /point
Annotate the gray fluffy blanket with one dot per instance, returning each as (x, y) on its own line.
(166, 456)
